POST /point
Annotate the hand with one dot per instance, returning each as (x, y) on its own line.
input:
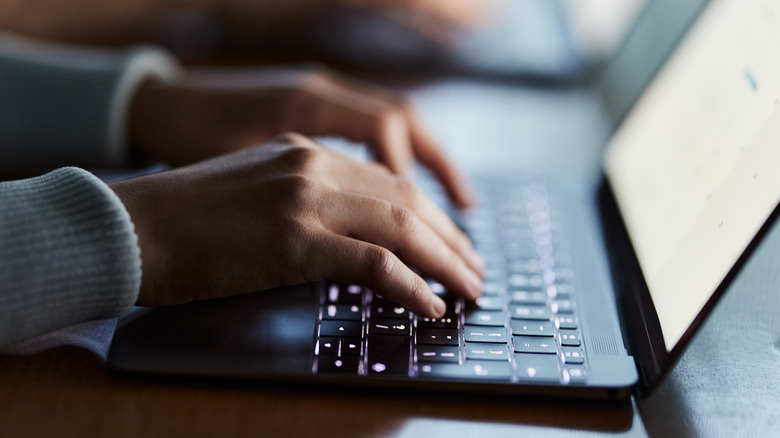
(210, 113)
(437, 19)
(291, 212)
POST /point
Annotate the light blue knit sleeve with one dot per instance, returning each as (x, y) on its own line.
(68, 254)
(66, 105)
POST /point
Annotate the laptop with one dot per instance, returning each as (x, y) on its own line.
(595, 283)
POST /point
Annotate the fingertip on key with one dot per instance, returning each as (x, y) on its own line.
(439, 306)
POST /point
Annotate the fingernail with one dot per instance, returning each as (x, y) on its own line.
(439, 306)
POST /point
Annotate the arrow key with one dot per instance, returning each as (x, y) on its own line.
(535, 344)
(341, 329)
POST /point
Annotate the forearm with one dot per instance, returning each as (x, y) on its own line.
(62, 105)
(68, 254)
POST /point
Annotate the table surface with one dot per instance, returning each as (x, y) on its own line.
(725, 383)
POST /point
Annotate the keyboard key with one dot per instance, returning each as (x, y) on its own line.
(493, 275)
(388, 354)
(453, 306)
(435, 336)
(345, 293)
(343, 312)
(537, 367)
(487, 303)
(526, 297)
(437, 287)
(492, 288)
(349, 329)
(563, 306)
(563, 274)
(470, 369)
(399, 327)
(535, 344)
(349, 347)
(347, 364)
(539, 313)
(524, 266)
(522, 280)
(485, 317)
(570, 338)
(388, 309)
(532, 328)
(328, 346)
(445, 322)
(564, 291)
(567, 322)
(438, 354)
(485, 334)
(573, 355)
(487, 351)
(574, 373)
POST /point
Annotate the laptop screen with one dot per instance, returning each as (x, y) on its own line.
(695, 165)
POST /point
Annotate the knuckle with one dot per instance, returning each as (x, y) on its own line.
(417, 291)
(300, 187)
(380, 263)
(317, 76)
(405, 220)
(302, 158)
(293, 139)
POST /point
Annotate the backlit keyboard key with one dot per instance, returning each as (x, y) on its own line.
(532, 328)
(539, 313)
(494, 335)
(434, 336)
(485, 317)
(569, 338)
(535, 344)
(537, 367)
(487, 351)
(470, 369)
(438, 354)
(350, 329)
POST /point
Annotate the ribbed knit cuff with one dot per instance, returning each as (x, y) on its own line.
(67, 105)
(68, 254)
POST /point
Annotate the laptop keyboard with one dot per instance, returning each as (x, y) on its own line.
(524, 328)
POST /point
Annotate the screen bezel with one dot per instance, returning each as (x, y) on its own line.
(638, 315)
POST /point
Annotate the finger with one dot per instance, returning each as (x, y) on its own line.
(371, 180)
(390, 141)
(349, 260)
(396, 135)
(432, 157)
(365, 113)
(400, 230)
(362, 114)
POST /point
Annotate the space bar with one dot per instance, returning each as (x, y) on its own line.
(471, 369)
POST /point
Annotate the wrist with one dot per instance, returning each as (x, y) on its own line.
(143, 120)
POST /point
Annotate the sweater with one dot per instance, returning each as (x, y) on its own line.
(68, 250)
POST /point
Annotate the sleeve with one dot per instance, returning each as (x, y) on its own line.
(66, 105)
(68, 254)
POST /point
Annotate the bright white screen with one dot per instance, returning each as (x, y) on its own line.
(695, 166)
